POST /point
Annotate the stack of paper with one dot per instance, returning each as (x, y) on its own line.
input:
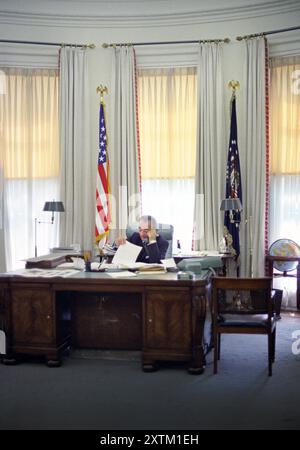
(152, 268)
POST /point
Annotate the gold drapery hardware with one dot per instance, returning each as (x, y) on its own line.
(115, 45)
(265, 33)
(250, 36)
(234, 85)
(214, 41)
(55, 44)
(91, 46)
(125, 44)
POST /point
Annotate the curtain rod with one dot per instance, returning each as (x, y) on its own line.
(56, 44)
(264, 33)
(226, 40)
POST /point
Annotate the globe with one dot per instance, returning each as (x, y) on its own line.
(284, 247)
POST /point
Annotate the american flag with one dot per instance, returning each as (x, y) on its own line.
(233, 184)
(102, 184)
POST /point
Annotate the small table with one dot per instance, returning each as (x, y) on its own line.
(269, 270)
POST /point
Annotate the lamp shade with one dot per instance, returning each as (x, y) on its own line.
(229, 204)
(54, 206)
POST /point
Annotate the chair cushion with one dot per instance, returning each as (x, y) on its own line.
(244, 320)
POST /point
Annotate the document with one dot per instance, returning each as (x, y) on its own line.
(46, 273)
(124, 273)
(168, 263)
(126, 254)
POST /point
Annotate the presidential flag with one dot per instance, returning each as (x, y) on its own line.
(233, 186)
(102, 184)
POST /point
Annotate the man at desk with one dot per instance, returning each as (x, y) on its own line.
(154, 246)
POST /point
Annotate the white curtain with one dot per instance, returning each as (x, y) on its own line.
(171, 201)
(123, 146)
(29, 163)
(285, 149)
(168, 118)
(284, 213)
(2, 216)
(211, 149)
(284, 219)
(78, 157)
(254, 174)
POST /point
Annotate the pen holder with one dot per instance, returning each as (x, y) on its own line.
(88, 267)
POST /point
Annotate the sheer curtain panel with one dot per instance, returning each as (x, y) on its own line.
(78, 157)
(211, 148)
(254, 178)
(167, 117)
(285, 149)
(124, 144)
(29, 165)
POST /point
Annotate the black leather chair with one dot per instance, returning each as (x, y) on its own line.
(243, 306)
(164, 229)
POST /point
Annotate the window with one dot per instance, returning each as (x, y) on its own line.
(285, 161)
(167, 124)
(29, 159)
(285, 149)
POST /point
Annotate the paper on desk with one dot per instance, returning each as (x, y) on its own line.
(134, 266)
(126, 253)
(2, 343)
(124, 273)
(168, 263)
(45, 273)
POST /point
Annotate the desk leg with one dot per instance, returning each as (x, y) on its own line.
(149, 366)
(53, 362)
(270, 268)
(198, 320)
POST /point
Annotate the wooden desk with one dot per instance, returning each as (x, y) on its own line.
(49, 261)
(270, 268)
(160, 315)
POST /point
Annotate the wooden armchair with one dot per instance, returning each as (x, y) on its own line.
(243, 306)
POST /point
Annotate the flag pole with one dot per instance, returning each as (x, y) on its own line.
(103, 174)
(232, 205)
(234, 85)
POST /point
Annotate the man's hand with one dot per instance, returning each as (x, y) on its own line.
(151, 235)
(120, 241)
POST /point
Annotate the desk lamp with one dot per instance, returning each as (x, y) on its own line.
(48, 206)
(231, 204)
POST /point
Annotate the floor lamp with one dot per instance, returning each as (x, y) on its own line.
(48, 206)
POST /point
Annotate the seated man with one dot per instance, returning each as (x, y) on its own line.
(154, 246)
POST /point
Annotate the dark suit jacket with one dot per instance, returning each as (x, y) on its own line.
(151, 253)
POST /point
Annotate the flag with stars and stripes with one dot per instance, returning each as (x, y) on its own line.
(233, 185)
(102, 184)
